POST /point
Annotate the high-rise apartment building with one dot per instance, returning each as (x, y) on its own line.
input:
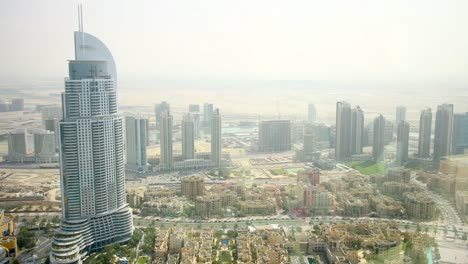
(400, 115)
(460, 133)
(402, 142)
(194, 111)
(443, 131)
(343, 131)
(165, 131)
(44, 146)
(92, 170)
(216, 140)
(274, 136)
(51, 125)
(357, 130)
(309, 143)
(136, 129)
(188, 137)
(378, 141)
(388, 134)
(18, 144)
(207, 114)
(159, 109)
(312, 113)
(425, 126)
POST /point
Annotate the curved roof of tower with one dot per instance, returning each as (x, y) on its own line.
(90, 48)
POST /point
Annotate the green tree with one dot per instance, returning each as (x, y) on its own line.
(26, 239)
(47, 228)
(42, 223)
(56, 220)
(418, 228)
(35, 220)
(464, 236)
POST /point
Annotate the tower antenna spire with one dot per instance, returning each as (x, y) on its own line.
(79, 18)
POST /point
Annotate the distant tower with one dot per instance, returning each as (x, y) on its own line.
(51, 112)
(95, 212)
(357, 130)
(309, 143)
(194, 108)
(312, 113)
(402, 142)
(443, 131)
(378, 141)
(460, 133)
(389, 129)
(188, 137)
(207, 114)
(4, 106)
(424, 141)
(194, 111)
(17, 104)
(52, 126)
(159, 109)
(216, 140)
(18, 145)
(44, 146)
(136, 129)
(400, 115)
(274, 136)
(167, 160)
(343, 131)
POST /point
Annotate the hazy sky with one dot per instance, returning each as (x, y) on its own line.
(251, 39)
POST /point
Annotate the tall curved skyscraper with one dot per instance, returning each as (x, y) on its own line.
(94, 208)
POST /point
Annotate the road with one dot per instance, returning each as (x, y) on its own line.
(139, 244)
(219, 224)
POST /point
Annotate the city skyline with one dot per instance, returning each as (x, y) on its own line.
(233, 132)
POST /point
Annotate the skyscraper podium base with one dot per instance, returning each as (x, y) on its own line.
(76, 239)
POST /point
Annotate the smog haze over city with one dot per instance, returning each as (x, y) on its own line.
(210, 131)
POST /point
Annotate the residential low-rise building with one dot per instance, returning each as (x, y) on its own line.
(419, 205)
(257, 207)
(207, 205)
(163, 207)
